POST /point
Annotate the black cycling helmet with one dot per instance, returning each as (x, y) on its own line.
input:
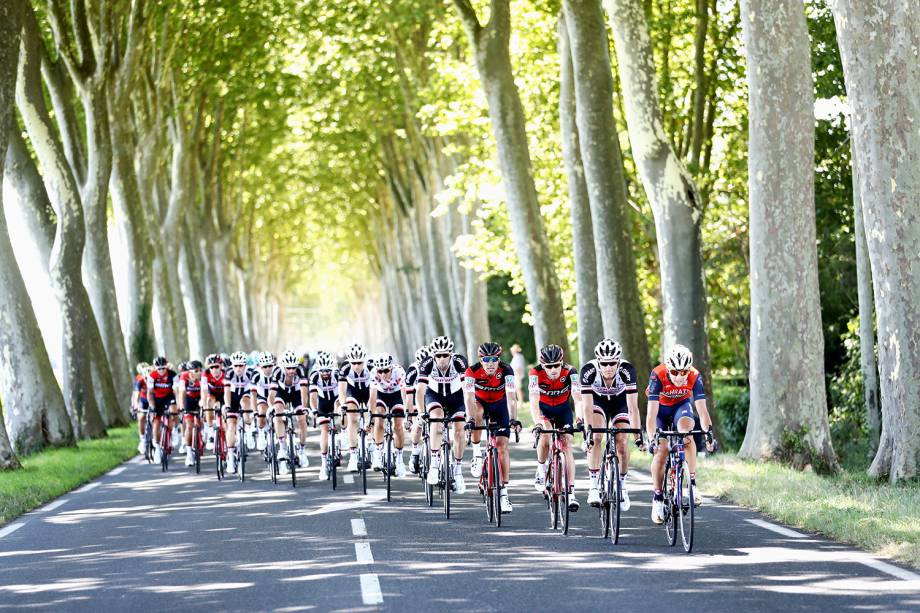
(227, 363)
(159, 362)
(213, 359)
(194, 365)
(183, 367)
(551, 354)
(490, 349)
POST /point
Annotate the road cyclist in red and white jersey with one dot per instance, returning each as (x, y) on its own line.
(324, 400)
(388, 395)
(161, 396)
(139, 404)
(259, 387)
(675, 388)
(237, 400)
(212, 395)
(354, 391)
(608, 394)
(289, 386)
(415, 407)
(490, 393)
(190, 394)
(440, 385)
(551, 386)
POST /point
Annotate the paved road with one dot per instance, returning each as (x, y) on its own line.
(137, 539)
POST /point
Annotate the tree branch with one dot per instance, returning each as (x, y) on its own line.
(468, 17)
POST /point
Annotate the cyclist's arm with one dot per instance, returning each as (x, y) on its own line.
(703, 411)
(372, 398)
(203, 396)
(651, 419)
(420, 388)
(272, 392)
(135, 400)
(469, 394)
(304, 402)
(314, 399)
(586, 407)
(226, 393)
(534, 399)
(632, 404)
(343, 390)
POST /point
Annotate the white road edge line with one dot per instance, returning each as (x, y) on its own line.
(363, 553)
(358, 528)
(889, 569)
(349, 479)
(19, 524)
(370, 589)
(778, 529)
(52, 506)
(117, 471)
(87, 487)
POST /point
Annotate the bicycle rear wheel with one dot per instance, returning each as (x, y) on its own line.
(670, 507)
(617, 490)
(553, 496)
(685, 508)
(496, 488)
(362, 461)
(388, 465)
(605, 509)
(292, 457)
(564, 494)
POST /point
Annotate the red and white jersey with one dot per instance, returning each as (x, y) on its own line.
(213, 384)
(393, 384)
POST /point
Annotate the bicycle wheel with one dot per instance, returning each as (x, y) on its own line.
(292, 458)
(272, 448)
(196, 450)
(485, 485)
(148, 443)
(448, 473)
(388, 466)
(564, 495)
(496, 488)
(332, 459)
(219, 453)
(552, 494)
(603, 487)
(670, 510)
(616, 489)
(424, 467)
(164, 447)
(362, 461)
(685, 507)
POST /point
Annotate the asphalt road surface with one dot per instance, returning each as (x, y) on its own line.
(138, 539)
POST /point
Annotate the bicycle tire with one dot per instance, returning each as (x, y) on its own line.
(273, 455)
(387, 466)
(164, 447)
(686, 508)
(485, 485)
(552, 492)
(331, 457)
(616, 489)
(564, 498)
(362, 461)
(196, 438)
(670, 511)
(604, 489)
(424, 467)
(292, 457)
(241, 460)
(497, 488)
(446, 459)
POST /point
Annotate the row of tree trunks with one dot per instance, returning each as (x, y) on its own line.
(878, 44)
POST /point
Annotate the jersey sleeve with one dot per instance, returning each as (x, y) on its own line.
(460, 363)
(698, 392)
(424, 370)
(588, 375)
(342, 374)
(628, 373)
(139, 385)
(508, 376)
(469, 380)
(654, 387)
(314, 381)
(534, 384)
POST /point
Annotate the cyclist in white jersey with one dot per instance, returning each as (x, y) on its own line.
(237, 384)
(289, 386)
(440, 384)
(388, 395)
(324, 399)
(354, 391)
(258, 393)
(415, 406)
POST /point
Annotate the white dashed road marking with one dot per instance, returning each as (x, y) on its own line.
(370, 589)
(87, 487)
(363, 553)
(777, 529)
(358, 528)
(11, 528)
(52, 506)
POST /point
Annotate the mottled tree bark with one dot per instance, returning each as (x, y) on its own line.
(35, 209)
(786, 332)
(490, 44)
(587, 311)
(669, 187)
(880, 46)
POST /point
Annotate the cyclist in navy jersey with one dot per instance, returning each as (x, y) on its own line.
(440, 384)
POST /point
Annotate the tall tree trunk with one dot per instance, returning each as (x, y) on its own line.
(475, 301)
(490, 45)
(786, 332)
(191, 279)
(867, 362)
(10, 279)
(587, 310)
(670, 189)
(67, 253)
(878, 45)
(32, 199)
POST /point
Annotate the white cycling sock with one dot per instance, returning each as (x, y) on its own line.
(477, 450)
(541, 466)
(416, 450)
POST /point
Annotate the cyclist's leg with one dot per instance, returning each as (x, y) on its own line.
(352, 421)
(458, 410)
(683, 419)
(230, 422)
(663, 422)
(280, 422)
(158, 407)
(377, 428)
(142, 418)
(597, 419)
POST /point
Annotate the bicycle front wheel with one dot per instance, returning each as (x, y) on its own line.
(332, 457)
(362, 461)
(670, 505)
(606, 496)
(564, 495)
(552, 493)
(292, 458)
(388, 465)
(616, 487)
(425, 466)
(496, 488)
(685, 508)
(241, 460)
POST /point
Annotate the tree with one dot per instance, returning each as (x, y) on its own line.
(493, 62)
(878, 45)
(785, 304)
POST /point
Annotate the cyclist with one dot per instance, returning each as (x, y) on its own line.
(440, 384)
(324, 398)
(237, 398)
(674, 388)
(161, 391)
(212, 394)
(550, 391)
(388, 395)
(608, 394)
(414, 406)
(190, 393)
(258, 392)
(289, 385)
(139, 402)
(354, 390)
(491, 393)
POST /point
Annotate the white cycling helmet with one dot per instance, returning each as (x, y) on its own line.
(356, 353)
(422, 354)
(441, 344)
(238, 358)
(289, 359)
(679, 358)
(325, 361)
(383, 360)
(267, 359)
(608, 349)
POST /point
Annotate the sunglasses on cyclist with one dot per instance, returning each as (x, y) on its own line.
(290, 368)
(490, 359)
(214, 366)
(679, 373)
(441, 356)
(554, 365)
(383, 371)
(356, 363)
(325, 371)
(607, 363)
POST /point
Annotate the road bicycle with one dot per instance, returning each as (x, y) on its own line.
(678, 489)
(491, 480)
(197, 446)
(242, 447)
(424, 460)
(446, 481)
(609, 485)
(389, 453)
(274, 445)
(557, 489)
(363, 461)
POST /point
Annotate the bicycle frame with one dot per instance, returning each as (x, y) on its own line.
(675, 507)
(609, 482)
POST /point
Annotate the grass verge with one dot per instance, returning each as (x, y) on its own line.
(849, 507)
(46, 475)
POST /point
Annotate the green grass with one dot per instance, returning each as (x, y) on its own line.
(849, 507)
(46, 475)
